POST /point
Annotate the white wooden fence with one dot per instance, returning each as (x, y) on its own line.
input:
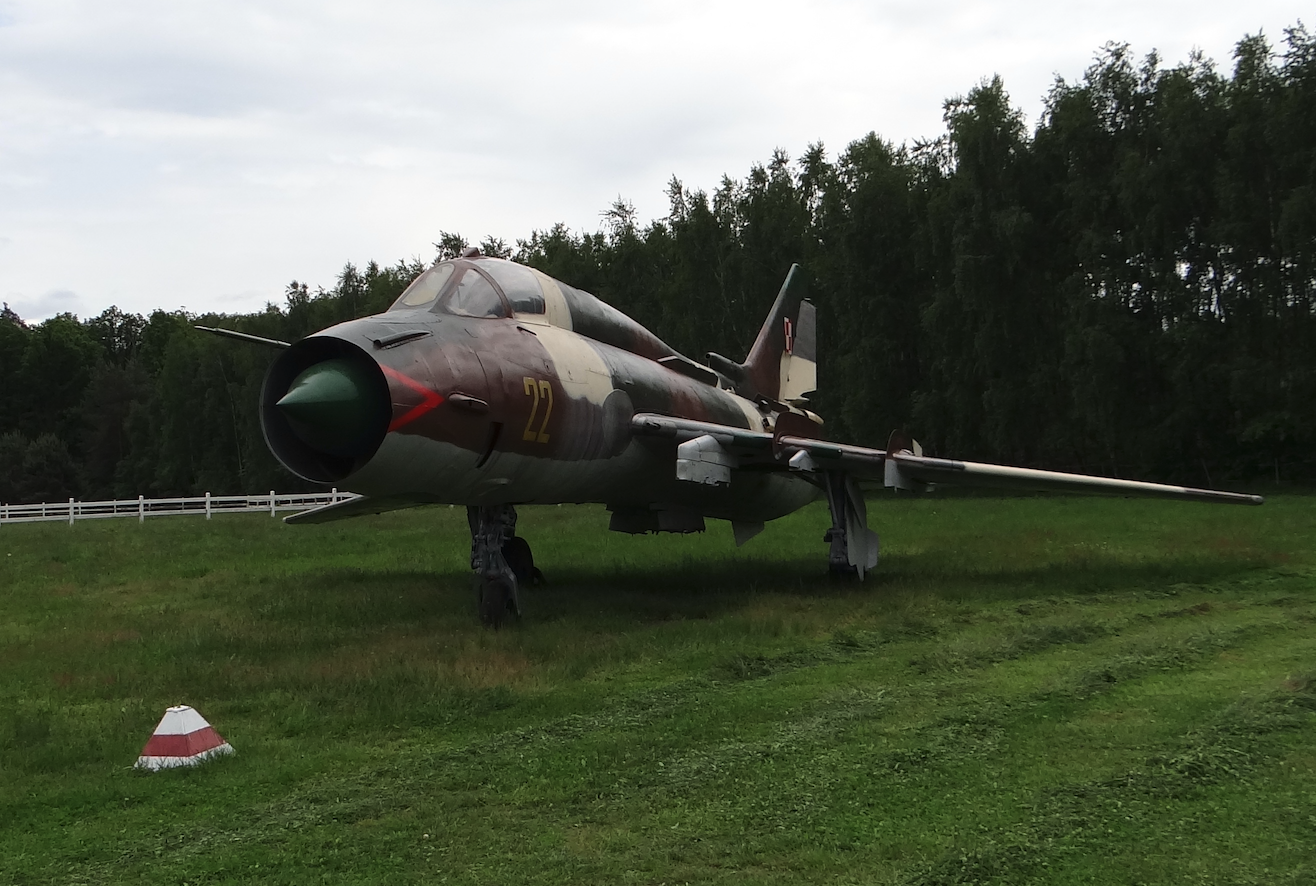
(142, 507)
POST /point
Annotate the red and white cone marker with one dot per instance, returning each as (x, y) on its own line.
(183, 738)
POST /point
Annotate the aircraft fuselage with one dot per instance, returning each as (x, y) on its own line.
(515, 409)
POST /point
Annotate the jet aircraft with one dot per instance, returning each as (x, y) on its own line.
(491, 385)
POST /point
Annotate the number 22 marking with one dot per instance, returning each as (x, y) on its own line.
(539, 388)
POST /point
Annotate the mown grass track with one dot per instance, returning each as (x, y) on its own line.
(1042, 690)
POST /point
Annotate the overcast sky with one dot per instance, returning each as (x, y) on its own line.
(195, 154)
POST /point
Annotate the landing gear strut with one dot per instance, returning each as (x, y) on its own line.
(491, 527)
(502, 562)
(854, 546)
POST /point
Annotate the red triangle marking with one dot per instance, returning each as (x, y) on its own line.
(429, 401)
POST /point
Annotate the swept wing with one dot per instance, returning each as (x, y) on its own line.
(902, 465)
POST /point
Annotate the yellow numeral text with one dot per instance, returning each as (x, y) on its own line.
(540, 389)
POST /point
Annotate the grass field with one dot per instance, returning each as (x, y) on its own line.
(1029, 690)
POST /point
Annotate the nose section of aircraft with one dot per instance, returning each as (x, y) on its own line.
(332, 407)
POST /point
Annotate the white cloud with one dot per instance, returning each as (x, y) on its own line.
(56, 301)
(166, 152)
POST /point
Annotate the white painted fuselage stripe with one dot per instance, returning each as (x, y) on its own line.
(583, 373)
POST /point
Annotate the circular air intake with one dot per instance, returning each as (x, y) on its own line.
(325, 408)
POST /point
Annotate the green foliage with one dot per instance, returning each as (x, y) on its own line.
(1129, 289)
(37, 470)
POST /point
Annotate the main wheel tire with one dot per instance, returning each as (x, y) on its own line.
(516, 551)
(496, 602)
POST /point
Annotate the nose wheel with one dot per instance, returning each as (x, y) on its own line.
(522, 562)
(497, 601)
(502, 562)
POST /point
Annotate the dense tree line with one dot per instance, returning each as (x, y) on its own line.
(1129, 289)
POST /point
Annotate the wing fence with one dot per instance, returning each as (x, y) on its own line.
(142, 507)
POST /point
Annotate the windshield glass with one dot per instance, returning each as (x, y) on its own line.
(474, 296)
(519, 284)
(425, 288)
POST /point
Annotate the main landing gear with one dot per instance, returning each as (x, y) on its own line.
(502, 562)
(854, 546)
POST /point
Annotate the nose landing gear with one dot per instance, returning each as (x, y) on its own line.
(497, 601)
(502, 561)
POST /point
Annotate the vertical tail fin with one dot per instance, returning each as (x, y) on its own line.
(782, 364)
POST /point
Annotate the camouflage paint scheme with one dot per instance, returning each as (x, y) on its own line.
(535, 407)
(490, 385)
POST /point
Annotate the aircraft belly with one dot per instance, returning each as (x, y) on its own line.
(640, 477)
(411, 465)
(427, 470)
(751, 497)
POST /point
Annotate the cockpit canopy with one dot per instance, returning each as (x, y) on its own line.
(476, 286)
(486, 287)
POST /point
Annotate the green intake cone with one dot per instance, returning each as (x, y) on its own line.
(333, 407)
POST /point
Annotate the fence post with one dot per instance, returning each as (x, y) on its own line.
(141, 509)
(333, 495)
(70, 512)
(207, 505)
(271, 502)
